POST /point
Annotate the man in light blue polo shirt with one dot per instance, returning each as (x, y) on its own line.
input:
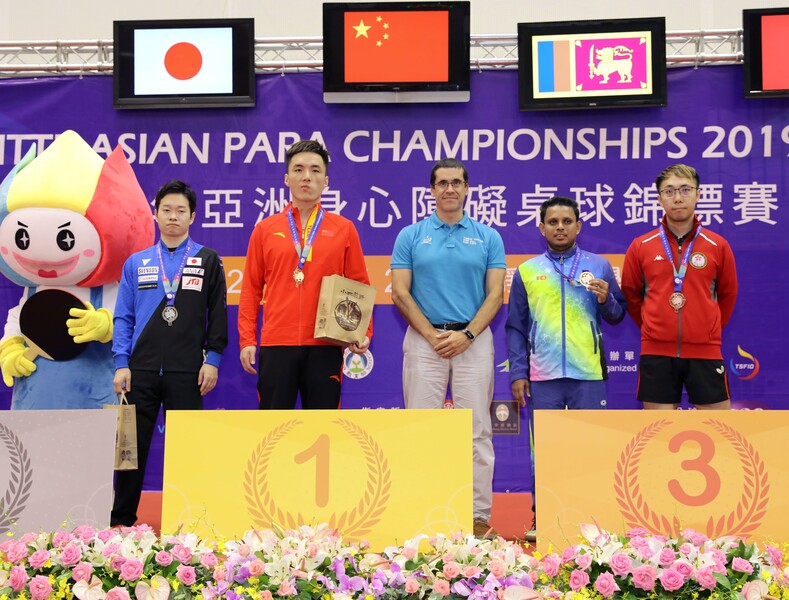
(448, 283)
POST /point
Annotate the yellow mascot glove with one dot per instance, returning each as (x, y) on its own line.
(90, 325)
(12, 360)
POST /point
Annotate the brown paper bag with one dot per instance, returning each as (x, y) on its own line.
(126, 436)
(345, 307)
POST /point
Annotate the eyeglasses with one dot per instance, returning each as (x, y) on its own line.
(444, 184)
(685, 191)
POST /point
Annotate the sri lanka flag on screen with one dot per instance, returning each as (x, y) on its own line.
(404, 46)
(183, 61)
(592, 64)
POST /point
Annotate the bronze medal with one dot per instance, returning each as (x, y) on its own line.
(677, 301)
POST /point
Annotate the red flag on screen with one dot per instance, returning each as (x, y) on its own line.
(396, 46)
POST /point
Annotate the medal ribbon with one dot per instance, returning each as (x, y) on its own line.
(310, 231)
(573, 266)
(171, 288)
(679, 274)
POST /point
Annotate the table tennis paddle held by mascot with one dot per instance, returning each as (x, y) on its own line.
(68, 221)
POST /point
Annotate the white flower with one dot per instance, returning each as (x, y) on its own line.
(89, 591)
(158, 589)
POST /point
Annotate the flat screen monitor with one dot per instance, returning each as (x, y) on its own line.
(396, 51)
(191, 63)
(592, 64)
(765, 41)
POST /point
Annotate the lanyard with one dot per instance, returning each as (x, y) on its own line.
(171, 288)
(311, 230)
(679, 274)
(573, 266)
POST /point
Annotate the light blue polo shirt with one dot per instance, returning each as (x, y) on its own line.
(448, 265)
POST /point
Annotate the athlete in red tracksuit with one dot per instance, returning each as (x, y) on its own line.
(680, 282)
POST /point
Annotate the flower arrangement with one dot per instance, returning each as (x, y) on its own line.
(315, 563)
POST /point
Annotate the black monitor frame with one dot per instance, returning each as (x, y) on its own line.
(244, 89)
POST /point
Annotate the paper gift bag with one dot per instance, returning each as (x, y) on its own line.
(126, 436)
(345, 307)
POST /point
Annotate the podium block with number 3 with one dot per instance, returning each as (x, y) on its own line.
(380, 475)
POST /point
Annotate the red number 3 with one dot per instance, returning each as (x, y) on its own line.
(700, 464)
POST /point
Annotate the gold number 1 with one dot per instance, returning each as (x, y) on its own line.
(319, 450)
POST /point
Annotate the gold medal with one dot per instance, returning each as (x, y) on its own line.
(677, 301)
(298, 276)
(586, 278)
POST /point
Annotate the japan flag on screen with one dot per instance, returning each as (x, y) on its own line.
(183, 61)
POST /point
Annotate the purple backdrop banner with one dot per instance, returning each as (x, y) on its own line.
(381, 158)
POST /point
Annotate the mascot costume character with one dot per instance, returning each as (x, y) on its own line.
(68, 221)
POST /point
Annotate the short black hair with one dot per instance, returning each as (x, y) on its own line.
(176, 186)
(679, 170)
(307, 146)
(447, 163)
(559, 201)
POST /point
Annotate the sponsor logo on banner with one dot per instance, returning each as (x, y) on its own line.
(357, 366)
(183, 61)
(505, 417)
(746, 367)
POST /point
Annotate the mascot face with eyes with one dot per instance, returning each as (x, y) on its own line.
(70, 218)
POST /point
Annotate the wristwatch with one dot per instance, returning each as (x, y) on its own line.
(469, 335)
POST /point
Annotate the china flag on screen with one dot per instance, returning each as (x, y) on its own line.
(775, 50)
(396, 46)
(183, 61)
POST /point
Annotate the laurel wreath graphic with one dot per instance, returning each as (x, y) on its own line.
(21, 482)
(752, 506)
(354, 523)
(743, 520)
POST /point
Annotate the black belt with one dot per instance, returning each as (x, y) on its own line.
(450, 326)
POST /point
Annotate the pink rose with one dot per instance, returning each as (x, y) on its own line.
(181, 553)
(620, 564)
(266, 595)
(706, 579)
(18, 578)
(755, 590)
(583, 561)
(645, 553)
(82, 571)
(163, 558)
(451, 570)
(131, 570)
(111, 549)
(106, 534)
(441, 587)
(117, 593)
(636, 531)
(256, 567)
(186, 575)
(741, 565)
(209, 560)
(61, 538)
(683, 568)
(312, 550)
(498, 569)
(687, 549)
(38, 559)
(551, 564)
(569, 553)
(70, 555)
(644, 577)
(85, 533)
(244, 550)
(411, 586)
(578, 580)
(448, 557)
(694, 537)
(40, 587)
(17, 552)
(671, 580)
(409, 552)
(117, 562)
(667, 557)
(220, 574)
(27, 538)
(606, 585)
(286, 589)
(471, 571)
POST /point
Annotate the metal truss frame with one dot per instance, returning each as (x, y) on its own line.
(293, 55)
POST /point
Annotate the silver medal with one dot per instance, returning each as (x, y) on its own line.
(170, 314)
